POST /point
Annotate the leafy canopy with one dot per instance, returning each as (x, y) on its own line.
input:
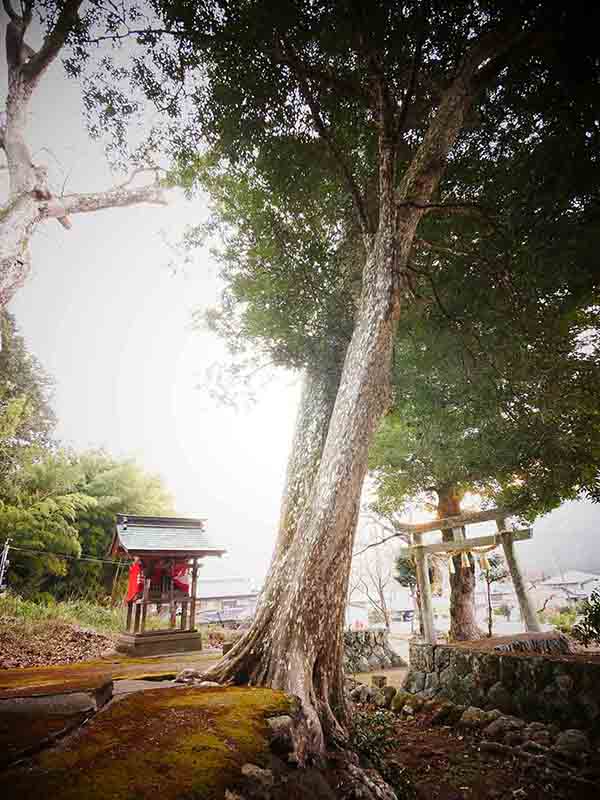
(495, 367)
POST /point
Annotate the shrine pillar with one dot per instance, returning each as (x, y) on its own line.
(528, 612)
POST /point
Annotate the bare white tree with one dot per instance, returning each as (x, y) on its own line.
(372, 572)
(30, 200)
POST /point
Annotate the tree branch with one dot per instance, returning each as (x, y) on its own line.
(53, 42)
(423, 174)
(60, 207)
(464, 209)
(7, 5)
(359, 203)
(546, 601)
(385, 539)
(440, 248)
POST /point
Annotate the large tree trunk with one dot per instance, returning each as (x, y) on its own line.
(296, 641)
(319, 391)
(312, 423)
(463, 621)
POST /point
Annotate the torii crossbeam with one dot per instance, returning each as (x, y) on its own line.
(461, 544)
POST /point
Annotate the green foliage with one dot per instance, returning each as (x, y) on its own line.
(587, 630)
(52, 500)
(38, 512)
(503, 610)
(291, 146)
(374, 737)
(26, 418)
(287, 262)
(114, 486)
(406, 572)
(64, 503)
(29, 613)
(495, 369)
(564, 620)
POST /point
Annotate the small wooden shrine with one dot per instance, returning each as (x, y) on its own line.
(164, 573)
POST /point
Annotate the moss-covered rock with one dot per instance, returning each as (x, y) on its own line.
(88, 675)
(166, 743)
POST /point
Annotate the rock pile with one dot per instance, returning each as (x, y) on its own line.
(501, 734)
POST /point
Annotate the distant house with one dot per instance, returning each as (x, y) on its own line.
(226, 599)
(569, 587)
(502, 593)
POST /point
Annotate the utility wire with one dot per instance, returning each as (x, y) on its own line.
(113, 562)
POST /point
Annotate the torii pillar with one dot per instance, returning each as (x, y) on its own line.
(528, 612)
(422, 569)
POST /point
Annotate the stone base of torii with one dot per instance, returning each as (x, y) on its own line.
(420, 552)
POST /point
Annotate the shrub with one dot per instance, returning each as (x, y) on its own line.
(587, 630)
(503, 610)
(373, 735)
(564, 620)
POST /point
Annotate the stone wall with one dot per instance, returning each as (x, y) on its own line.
(369, 650)
(564, 690)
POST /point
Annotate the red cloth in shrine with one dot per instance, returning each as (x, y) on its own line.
(181, 576)
(136, 581)
(179, 573)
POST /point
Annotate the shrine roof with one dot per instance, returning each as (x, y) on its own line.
(162, 536)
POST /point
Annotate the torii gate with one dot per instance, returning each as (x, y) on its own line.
(456, 524)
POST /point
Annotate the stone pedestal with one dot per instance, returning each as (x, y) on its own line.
(158, 643)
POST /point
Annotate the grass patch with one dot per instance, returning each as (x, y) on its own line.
(14, 610)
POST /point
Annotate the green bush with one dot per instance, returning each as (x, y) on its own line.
(373, 736)
(503, 610)
(587, 631)
(564, 620)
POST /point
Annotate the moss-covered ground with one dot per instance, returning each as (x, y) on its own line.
(20, 732)
(165, 743)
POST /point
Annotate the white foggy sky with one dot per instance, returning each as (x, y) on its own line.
(111, 323)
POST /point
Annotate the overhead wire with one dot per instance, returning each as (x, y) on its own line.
(68, 556)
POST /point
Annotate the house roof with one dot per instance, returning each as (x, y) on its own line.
(223, 588)
(570, 577)
(162, 536)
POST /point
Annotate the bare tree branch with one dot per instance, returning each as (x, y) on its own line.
(84, 203)
(546, 601)
(377, 543)
(140, 171)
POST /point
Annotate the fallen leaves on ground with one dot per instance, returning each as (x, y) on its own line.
(48, 643)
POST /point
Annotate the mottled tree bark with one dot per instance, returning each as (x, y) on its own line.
(463, 621)
(319, 391)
